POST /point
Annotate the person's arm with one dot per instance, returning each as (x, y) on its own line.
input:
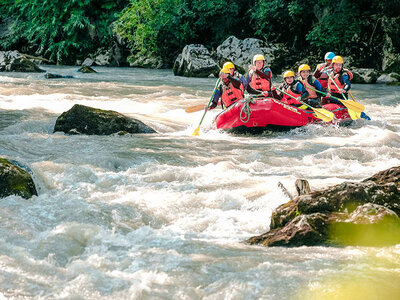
(217, 95)
(250, 90)
(235, 82)
(265, 74)
(347, 83)
(318, 86)
(301, 89)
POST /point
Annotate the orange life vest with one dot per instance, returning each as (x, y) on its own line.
(323, 78)
(259, 83)
(307, 84)
(291, 90)
(338, 79)
(230, 94)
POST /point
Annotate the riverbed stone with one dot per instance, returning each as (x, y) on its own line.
(241, 52)
(15, 181)
(386, 78)
(86, 69)
(13, 61)
(364, 75)
(82, 119)
(345, 213)
(195, 61)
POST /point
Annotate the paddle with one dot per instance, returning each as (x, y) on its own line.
(358, 114)
(320, 113)
(194, 108)
(197, 130)
(352, 113)
(351, 105)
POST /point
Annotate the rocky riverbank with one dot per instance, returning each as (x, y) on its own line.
(364, 213)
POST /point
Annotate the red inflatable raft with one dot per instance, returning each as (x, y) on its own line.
(269, 113)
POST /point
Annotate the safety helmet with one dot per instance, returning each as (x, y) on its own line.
(258, 57)
(329, 55)
(228, 65)
(288, 74)
(223, 70)
(304, 67)
(337, 59)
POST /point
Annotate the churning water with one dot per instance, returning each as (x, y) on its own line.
(164, 216)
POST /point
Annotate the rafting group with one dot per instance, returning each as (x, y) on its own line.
(301, 99)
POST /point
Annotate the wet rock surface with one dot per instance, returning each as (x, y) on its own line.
(13, 61)
(364, 213)
(82, 119)
(15, 181)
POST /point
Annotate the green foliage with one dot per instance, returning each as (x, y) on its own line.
(61, 30)
(164, 27)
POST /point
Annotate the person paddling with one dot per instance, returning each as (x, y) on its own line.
(339, 81)
(259, 76)
(320, 72)
(293, 87)
(311, 84)
(232, 86)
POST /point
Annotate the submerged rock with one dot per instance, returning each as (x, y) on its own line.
(15, 181)
(52, 76)
(82, 119)
(13, 61)
(365, 213)
(195, 61)
(86, 69)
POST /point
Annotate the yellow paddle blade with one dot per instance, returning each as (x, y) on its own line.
(351, 105)
(196, 131)
(323, 114)
(194, 108)
(353, 114)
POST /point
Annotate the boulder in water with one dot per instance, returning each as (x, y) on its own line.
(13, 61)
(15, 181)
(387, 78)
(82, 119)
(195, 61)
(363, 75)
(364, 213)
(51, 76)
(241, 52)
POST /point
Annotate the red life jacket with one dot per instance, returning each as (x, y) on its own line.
(308, 83)
(291, 90)
(323, 78)
(230, 94)
(338, 79)
(259, 83)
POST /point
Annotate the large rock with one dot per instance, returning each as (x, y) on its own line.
(386, 78)
(82, 119)
(13, 61)
(346, 214)
(113, 56)
(195, 61)
(148, 61)
(241, 52)
(15, 181)
(364, 75)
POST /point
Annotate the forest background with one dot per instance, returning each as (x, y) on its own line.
(67, 31)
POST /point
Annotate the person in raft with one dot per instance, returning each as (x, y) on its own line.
(259, 76)
(232, 86)
(340, 83)
(294, 88)
(311, 84)
(320, 73)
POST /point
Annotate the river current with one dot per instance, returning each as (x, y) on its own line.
(164, 216)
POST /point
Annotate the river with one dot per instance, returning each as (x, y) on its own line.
(164, 216)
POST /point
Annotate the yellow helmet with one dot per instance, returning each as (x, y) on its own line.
(223, 70)
(258, 57)
(304, 67)
(337, 59)
(288, 74)
(228, 65)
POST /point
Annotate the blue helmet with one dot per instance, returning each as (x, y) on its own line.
(329, 55)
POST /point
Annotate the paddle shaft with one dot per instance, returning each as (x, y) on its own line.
(330, 77)
(208, 105)
(294, 98)
(322, 93)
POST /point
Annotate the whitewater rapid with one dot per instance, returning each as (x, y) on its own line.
(164, 216)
